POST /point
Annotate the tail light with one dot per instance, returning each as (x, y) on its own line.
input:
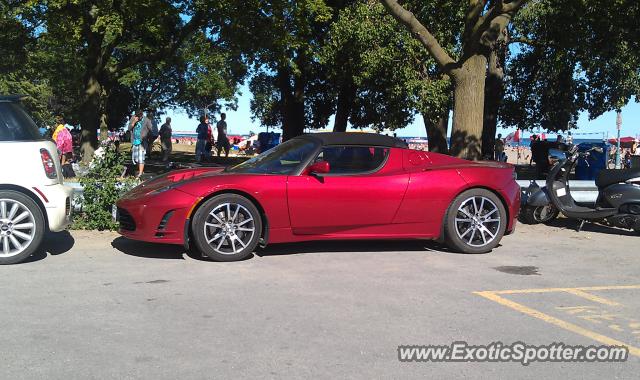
(48, 164)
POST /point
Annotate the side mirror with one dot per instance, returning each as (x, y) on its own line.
(320, 167)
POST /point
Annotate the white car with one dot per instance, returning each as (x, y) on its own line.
(33, 199)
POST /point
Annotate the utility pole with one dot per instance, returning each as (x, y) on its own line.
(618, 127)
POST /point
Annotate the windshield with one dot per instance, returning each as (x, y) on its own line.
(16, 125)
(282, 159)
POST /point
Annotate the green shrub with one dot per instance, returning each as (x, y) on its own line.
(103, 184)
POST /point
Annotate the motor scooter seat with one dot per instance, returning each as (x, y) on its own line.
(608, 177)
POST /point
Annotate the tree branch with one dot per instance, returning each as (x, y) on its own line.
(498, 9)
(187, 30)
(524, 40)
(513, 6)
(473, 13)
(421, 33)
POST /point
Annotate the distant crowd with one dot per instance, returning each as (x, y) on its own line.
(538, 153)
(144, 132)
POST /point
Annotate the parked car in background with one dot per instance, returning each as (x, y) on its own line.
(326, 186)
(33, 198)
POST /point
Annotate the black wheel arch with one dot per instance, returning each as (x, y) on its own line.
(497, 194)
(264, 234)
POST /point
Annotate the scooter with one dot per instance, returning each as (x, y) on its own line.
(617, 205)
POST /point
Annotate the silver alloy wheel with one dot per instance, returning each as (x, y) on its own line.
(17, 227)
(478, 221)
(229, 228)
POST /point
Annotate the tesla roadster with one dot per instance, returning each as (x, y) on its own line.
(326, 186)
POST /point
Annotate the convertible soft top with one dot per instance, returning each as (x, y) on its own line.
(357, 138)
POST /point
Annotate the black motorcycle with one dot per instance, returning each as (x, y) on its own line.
(617, 205)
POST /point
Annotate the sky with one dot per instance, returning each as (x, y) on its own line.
(239, 122)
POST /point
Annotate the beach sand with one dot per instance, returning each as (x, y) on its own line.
(518, 155)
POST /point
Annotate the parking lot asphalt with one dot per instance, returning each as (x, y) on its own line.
(96, 305)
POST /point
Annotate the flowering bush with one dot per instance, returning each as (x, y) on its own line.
(103, 184)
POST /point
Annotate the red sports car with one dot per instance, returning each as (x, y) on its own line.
(326, 186)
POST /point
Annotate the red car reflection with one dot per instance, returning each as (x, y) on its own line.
(326, 186)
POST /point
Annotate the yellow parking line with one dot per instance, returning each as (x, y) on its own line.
(551, 290)
(591, 297)
(493, 296)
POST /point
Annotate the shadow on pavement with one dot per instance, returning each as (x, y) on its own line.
(572, 224)
(352, 246)
(153, 250)
(176, 252)
(150, 250)
(54, 243)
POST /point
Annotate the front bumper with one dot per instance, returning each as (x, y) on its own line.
(57, 205)
(511, 194)
(155, 218)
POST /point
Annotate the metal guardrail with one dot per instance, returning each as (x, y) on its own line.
(76, 200)
(581, 191)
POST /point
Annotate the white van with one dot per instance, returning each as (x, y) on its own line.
(33, 199)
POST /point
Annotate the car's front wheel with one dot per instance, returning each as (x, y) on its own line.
(475, 222)
(227, 227)
(21, 227)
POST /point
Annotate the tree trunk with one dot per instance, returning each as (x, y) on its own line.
(292, 104)
(90, 118)
(346, 98)
(437, 133)
(90, 109)
(283, 81)
(296, 128)
(468, 106)
(494, 94)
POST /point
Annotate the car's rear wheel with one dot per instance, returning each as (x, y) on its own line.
(21, 227)
(227, 227)
(475, 222)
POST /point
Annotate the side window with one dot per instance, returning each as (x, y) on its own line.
(353, 159)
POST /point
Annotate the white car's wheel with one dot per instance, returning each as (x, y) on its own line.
(21, 227)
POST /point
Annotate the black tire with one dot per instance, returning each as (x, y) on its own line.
(36, 233)
(534, 214)
(456, 232)
(232, 230)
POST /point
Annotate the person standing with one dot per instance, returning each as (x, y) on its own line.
(139, 135)
(64, 143)
(203, 133)
(151, 125)
(59, 126)
(223, 140)
(165, 139)
(208, 148)
(540, 155)
(498, 148)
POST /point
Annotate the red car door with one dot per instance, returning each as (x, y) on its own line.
(364, 187)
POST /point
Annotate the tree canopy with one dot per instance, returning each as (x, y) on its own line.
(367, 64)
(554, 74)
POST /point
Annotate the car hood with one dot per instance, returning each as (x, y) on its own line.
(173, 179)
